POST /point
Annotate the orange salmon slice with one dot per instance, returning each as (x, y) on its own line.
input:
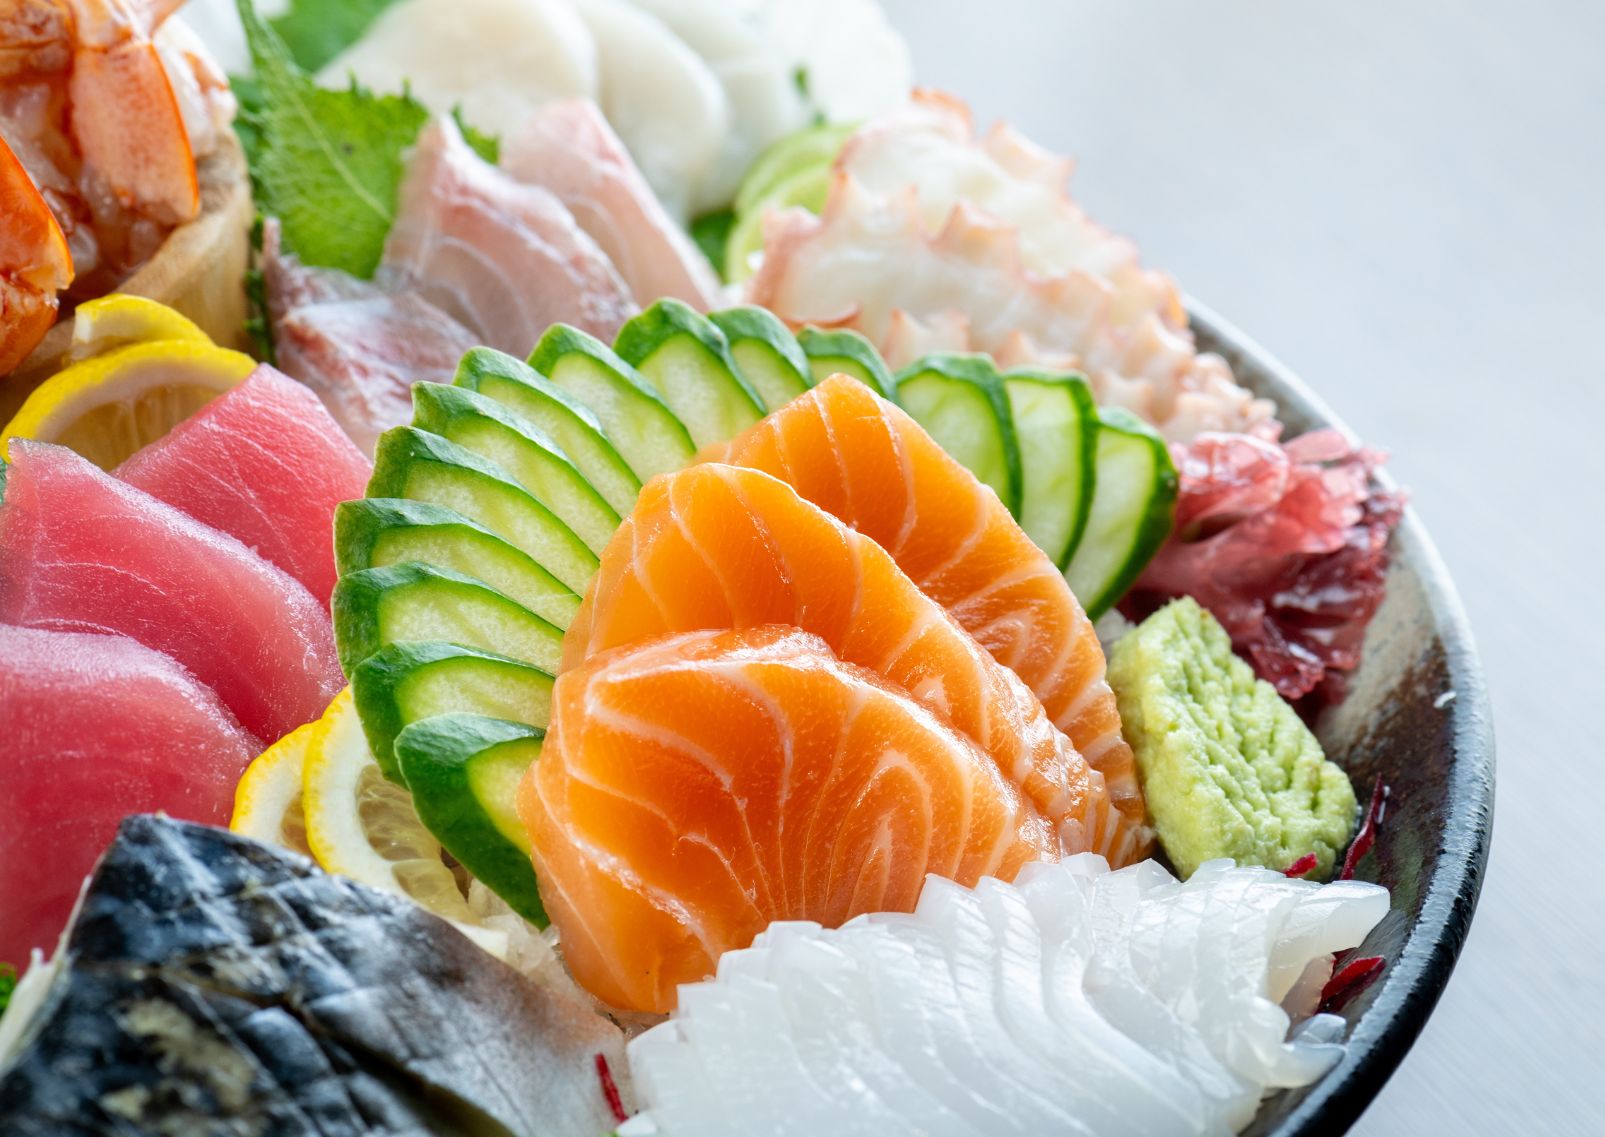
(866, 462)
(694, 788)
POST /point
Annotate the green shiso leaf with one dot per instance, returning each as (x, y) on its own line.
(711, 232)
(316, 31)
(8, 984)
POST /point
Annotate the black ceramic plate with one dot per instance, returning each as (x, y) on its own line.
(1416, 714)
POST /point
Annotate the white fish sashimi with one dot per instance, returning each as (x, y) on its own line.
(504, 259)
(934, 239)
(660, 96)
(495, 60)
(854, 62)
(568, 147)
(1075, 1000)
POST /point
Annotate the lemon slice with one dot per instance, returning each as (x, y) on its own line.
(121, 319)
(268, 801)
(107, 407)
(362, 825)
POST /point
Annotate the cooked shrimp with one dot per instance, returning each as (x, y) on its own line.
(36, 262)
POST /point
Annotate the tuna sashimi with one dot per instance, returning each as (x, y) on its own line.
(813, 789)
(82, 551)
(505, 259)
(264, 463)
(357, 346)
(568, 148)
(96, 727)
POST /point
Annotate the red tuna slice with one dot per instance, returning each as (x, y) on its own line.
(265, 463)
(82, 551)
(96, 727)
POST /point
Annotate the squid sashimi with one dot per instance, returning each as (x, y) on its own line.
(718, 547)
(860, 458)
(933, 239)
(97, 727)
(695, 788)
(568, 148)
(263, 463)
(506, 260)
(1075, 1000)
(82, 551)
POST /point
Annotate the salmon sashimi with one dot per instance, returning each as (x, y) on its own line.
(716, 546)
(857, 456)
(505, 259)
(694, 788)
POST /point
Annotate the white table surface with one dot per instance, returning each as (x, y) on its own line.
(1405, 202)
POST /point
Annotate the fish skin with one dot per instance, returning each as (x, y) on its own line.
(569, 148)
(864, 460)
(505, 259)
(213, 984)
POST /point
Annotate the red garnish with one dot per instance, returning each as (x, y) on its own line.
(1343, 987)
(610, 1090)
(1301, 866)
(1367, 836)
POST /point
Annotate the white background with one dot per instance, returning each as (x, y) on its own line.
(1404, 200)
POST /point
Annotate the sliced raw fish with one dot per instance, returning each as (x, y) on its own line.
(1075, 1000)
(810, 789)
(865, 461)
(505, 259)
(213, 984)
(568, 148)
(720, 547)
(96, 727)
(264, 463)
(82, 551)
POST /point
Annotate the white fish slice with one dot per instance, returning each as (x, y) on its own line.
(1075, 1000)
(568, 148)
(504, 259)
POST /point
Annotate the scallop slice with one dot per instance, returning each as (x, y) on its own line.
(495, 60)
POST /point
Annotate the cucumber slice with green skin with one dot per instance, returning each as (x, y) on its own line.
(833, 350)
(766, 354)
(418, 603)
(808, 188)
(685, 357)
(404, 683)
(807, 149)
(1056, 425)
(959, 400)
(464, 770)
(1133, 509)
(485, 427)
(632, 413)
(421, 466)
(561, 417)
(375, 532)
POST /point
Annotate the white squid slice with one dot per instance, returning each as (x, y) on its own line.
(1075, 1000)
(495, 60)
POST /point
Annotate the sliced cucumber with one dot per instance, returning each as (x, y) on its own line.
(959, 399)
(766, 354)
(464, 770)
(1056, 425)
(633, 415)
(1133, 509)
(496, 434)
(560, 416)
(416, 603)
(686, 358)
(404, 683)
(833, 350)
(811, 148)
(380, 531)
(421, 466)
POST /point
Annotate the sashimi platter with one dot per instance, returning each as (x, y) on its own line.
(622, 567)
